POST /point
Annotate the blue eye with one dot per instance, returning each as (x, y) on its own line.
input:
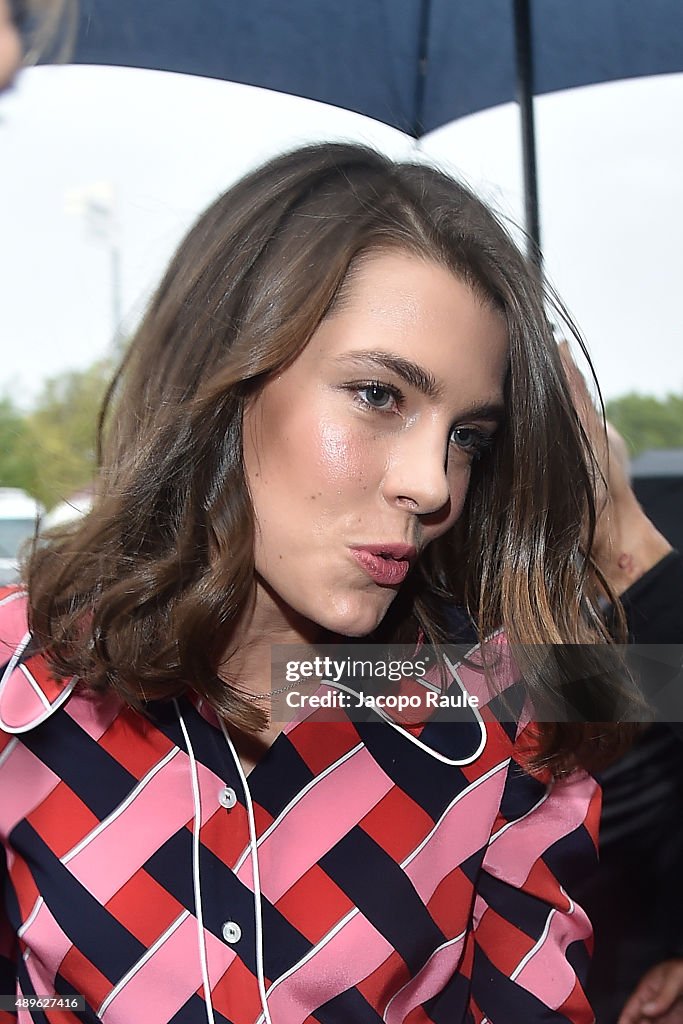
(471, 441)
(378, 396)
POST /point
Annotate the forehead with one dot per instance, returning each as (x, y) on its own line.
(419, 309)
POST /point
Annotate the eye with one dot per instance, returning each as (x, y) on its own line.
(472, 441)
(379, 396)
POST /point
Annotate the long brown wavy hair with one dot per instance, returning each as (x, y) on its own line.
(142, 597)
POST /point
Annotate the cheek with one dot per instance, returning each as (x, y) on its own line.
(459, 489)
(341, 454)
(305, 455)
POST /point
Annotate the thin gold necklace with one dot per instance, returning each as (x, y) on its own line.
(264, 696)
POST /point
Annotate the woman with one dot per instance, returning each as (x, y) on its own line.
(343, 411)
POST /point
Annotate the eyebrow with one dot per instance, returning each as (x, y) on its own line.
(422, 380)
(408, 371)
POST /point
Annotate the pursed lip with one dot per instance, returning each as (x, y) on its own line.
(386, 564)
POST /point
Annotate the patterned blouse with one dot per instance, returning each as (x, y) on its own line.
(364, 872)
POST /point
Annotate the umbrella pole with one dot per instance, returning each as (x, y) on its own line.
(417, 128)
(525, 99)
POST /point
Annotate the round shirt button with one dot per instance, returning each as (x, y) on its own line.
(227, 797)
(232, 932)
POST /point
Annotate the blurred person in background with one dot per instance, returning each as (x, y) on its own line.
(31, 30)
(11, 49)
(635, 898)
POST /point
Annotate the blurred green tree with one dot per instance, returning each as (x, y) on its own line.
(17, 468)
(647, 422)
(50, 451)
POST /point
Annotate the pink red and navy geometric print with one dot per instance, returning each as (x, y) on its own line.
(410, 878)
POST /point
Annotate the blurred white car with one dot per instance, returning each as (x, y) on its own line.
(19, 514)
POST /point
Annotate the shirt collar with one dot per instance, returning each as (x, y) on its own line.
(30, 694)
(29, 691)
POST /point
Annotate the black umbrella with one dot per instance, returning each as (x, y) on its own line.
(414, 64)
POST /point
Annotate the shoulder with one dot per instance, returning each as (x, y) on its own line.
(487, 670)
(29, 691)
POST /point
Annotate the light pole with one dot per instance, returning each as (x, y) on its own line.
(96, 204)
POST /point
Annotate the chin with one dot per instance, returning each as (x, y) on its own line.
(358, 619)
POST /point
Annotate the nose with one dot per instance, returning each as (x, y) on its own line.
(417, 476)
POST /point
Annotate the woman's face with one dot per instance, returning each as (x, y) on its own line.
(358, 455)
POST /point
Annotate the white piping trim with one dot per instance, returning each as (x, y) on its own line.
(426, 684)
(253, 846)
(139, 964)
(34, 686)
(469, 789)
(195, 867)
(570, 901)
(413, 739)
(311, 953)
(534, 949)
(444, 945)
(12, 663)
(21, 931)
(8, 750)
(352, 913)
(475, 710)
(292, 803)
(134, 793)
(57, 703)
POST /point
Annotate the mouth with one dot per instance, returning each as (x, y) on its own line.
(386, 564)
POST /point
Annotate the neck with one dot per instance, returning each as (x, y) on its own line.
(266, 622)
(247, 663)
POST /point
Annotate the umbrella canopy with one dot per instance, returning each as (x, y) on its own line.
(414, 64)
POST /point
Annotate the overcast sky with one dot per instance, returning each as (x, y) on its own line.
(160, 146)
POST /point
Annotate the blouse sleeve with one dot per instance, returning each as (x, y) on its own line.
(532, 942)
